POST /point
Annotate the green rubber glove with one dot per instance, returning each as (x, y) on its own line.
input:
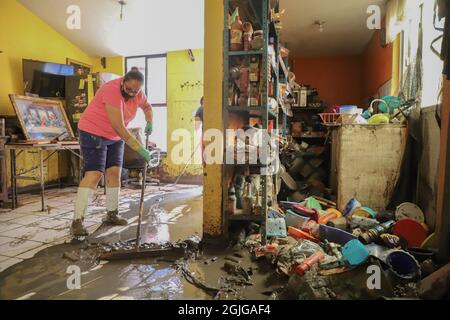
(134, 144)
(149, 128)
(144, 153)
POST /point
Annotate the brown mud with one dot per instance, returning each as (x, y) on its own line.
(169, 217)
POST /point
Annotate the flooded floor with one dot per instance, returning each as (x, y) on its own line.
(51, 274)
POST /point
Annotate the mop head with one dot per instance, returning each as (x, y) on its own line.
(127, 249)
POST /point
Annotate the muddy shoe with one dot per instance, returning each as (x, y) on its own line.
(112, 217)
(78, 230)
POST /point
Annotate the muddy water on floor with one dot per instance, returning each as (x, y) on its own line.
(168, 218)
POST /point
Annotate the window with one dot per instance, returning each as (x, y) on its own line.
(432, 65)
(156, 80)
(154, 69)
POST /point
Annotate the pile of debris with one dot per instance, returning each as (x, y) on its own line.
(314, 244)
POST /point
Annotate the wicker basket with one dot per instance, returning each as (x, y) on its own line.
(330, 119)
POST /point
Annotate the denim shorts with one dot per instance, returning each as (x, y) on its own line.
(100, 153)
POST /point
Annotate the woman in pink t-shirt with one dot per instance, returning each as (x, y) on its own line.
(102, 134)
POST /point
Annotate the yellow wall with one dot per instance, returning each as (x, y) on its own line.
(212, 181)
(113, 64)
(182, 103)
(396, 62)
(24, 35)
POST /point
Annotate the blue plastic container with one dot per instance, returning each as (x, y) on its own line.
(403, 264)
(348, 109)
(335, 235)
(355, 252)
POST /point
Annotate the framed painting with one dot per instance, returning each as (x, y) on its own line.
(41, 119)
(80, 68)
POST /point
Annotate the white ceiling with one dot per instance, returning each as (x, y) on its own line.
(148, 27)
(345, 30)
(158, 26)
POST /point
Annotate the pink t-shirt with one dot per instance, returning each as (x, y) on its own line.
(95, 119)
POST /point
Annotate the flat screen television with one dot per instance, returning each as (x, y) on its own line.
(45, 79)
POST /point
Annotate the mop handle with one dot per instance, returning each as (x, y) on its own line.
(141, 203)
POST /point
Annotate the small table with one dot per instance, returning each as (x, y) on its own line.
(21, 147)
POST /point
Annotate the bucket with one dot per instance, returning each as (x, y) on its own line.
(403, 264)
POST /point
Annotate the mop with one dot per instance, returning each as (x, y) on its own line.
(142, 251)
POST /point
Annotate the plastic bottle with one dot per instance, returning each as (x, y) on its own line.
(248, 198)
(247, 35)
(231, 201)
(329, 215)
(244, 86)
(236, 34)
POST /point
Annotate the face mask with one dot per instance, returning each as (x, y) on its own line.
(125, 94)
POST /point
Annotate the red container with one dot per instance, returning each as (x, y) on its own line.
(308, 263)
(311, 213)
(330, 215)
(299, 234)
(412, 231)
(267, 249)
(311, 227)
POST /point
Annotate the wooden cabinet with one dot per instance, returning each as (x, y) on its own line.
(366, 162)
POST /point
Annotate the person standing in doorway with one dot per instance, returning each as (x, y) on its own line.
(198, 117)
(102, 134)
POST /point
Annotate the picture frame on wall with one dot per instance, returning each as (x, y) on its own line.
(81, 69)
(41, 119)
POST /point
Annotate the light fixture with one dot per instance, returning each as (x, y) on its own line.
(320, 25)
(122, 4)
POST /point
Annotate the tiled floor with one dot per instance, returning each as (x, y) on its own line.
(26, 230)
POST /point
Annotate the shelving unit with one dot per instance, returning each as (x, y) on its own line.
(315, 168)
(258, 13)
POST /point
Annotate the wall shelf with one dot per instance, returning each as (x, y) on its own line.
(254, 111)
(246, 217)
(258, 13)
(245, 53)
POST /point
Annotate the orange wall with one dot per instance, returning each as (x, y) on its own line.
(346, 80)
(377, 66)
(338, 79)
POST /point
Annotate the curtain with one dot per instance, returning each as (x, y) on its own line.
(411, 88)
(444, 11)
